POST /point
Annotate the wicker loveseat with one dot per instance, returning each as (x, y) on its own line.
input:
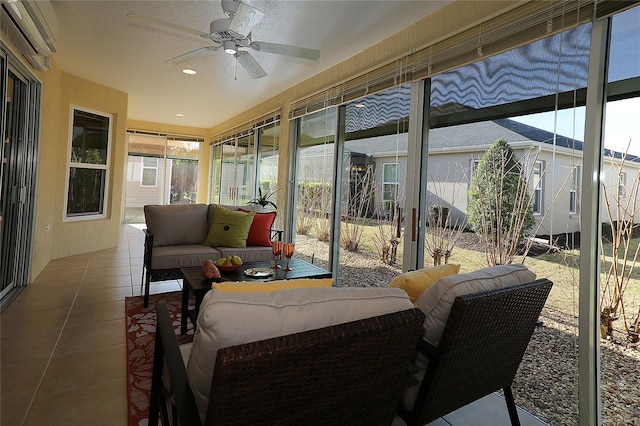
(312, 356)
(175, 237)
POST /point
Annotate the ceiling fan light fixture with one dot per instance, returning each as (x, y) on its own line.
(230, 47)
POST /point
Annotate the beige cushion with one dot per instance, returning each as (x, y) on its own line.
(415, 282)
(436, 301)
(182, 256)
(177, 224)
(228, 319)
(247, 254)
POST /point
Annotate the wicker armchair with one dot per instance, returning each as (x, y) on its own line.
(352, 373)
(480, 350)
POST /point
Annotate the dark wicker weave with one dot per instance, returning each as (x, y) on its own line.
(148, 273)
(348, 374)
(480, 350)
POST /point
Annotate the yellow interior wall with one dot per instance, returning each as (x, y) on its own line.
(53, 237)
(205, 160)
(49, 153)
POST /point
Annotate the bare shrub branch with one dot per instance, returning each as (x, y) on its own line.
(356, 204)
(443, 229)
(618, 264)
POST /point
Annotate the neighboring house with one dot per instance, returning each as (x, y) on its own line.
(553, 167)
(153, 177)
(146, 181)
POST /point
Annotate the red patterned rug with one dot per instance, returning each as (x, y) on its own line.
(141, 331)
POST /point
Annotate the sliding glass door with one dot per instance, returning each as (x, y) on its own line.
(243, 163)
(161, 169)
(19, 130)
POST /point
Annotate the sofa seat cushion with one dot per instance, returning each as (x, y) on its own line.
(228, 319)
(177, 224)
(436, 301)
(182, 256)
(247, 254)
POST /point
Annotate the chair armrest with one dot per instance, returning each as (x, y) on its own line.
(276, 234)
(148, 248)
(179, 393)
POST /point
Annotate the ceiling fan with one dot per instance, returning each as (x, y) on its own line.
(233, 35)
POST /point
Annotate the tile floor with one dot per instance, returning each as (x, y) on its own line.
(63, 344)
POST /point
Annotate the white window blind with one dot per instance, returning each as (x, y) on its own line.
(247, 128)
(526, 23)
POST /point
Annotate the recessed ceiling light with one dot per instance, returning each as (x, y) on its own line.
(179, 114)
(189, 71)
(360, 106)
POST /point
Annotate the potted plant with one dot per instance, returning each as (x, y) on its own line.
(263, 199)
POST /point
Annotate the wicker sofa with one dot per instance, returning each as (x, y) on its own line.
(175, 237)
(301, 356)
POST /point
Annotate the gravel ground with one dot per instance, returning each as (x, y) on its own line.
(546, 383)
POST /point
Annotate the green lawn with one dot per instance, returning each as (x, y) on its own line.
(562, 268)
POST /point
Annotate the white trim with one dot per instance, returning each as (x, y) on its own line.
(69, 164)
(589, 367)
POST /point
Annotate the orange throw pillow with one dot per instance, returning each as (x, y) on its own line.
(260, 230)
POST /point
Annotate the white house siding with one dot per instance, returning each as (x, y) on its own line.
(555, 217)
(629, 203)
(138, 195)
(448, 175)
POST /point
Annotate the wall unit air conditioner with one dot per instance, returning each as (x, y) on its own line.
(31, 26)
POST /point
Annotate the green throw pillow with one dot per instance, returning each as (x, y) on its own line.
(229, 228)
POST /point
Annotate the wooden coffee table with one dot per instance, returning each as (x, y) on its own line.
(193, 282)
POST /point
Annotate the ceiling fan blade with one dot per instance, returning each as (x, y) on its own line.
(160, 22)
(250, 64)
(245, 19)
(191, 55)
(284, 49)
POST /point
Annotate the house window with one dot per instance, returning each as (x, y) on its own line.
(537, 187)
(474, 166)
(88, 165)
(573, 191)
(149, 175)
(622, 185)
(389, 186)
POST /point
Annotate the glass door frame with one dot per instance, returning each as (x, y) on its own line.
(25, 179)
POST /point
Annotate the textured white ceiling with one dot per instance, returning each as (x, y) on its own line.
(97, 41)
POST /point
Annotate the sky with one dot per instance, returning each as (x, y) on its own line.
(622, 124)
